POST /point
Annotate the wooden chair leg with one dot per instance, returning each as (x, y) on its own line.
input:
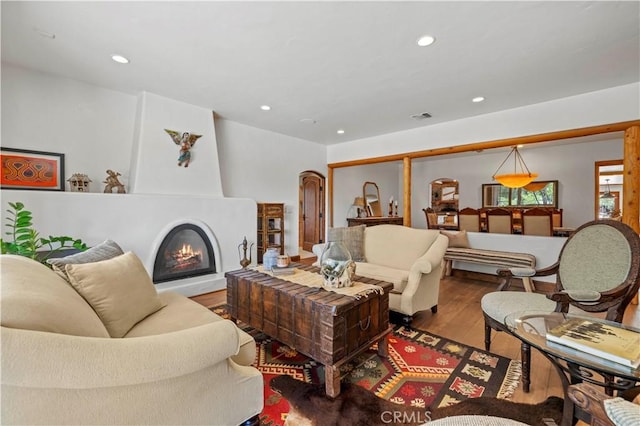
(525, 350)
(487, 337)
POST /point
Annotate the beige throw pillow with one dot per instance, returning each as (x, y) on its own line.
(353, 239)
(457, 239)
(119, 290)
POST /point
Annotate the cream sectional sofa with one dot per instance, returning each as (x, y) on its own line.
(181, 364)
(409, 258)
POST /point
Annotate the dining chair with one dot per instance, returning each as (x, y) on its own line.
(432, 218)
(469, 220)
(598, 270)
(499, 221)
(537, 221)
(556, 215)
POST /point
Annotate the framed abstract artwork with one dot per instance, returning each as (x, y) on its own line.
(26, 169)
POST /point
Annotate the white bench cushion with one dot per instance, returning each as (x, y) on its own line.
(491, 257)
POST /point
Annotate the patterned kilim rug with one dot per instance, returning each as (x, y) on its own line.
(423, 370)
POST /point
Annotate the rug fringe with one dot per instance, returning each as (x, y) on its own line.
(511, 380)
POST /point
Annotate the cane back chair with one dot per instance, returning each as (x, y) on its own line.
(598, 270)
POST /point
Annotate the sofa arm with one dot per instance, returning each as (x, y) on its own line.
(51, 360)
(428, 261)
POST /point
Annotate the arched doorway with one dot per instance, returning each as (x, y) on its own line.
(311, 212)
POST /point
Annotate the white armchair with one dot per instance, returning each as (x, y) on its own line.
(409, 258)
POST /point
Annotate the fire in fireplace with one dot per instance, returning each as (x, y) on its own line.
(185, 252)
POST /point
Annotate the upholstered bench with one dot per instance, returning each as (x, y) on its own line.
(500, 259)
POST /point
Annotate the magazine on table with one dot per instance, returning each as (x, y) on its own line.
(615, 344)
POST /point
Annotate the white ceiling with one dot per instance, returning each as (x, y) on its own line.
(347, 65)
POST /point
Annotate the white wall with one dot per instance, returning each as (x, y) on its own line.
(602, 107)
(572, 165)
(154, 168)
(92, 126)
(348, 182)
(95, 129)
(265, 166)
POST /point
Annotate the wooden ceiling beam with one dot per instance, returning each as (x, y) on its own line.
(500, 143)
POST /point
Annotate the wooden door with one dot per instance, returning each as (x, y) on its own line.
(311, 209)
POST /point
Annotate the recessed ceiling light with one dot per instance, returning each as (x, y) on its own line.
(426, 40)
(265, 108)
(478, 99)
(340, 132)
(120, 59)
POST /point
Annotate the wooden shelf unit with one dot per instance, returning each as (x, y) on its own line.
(270, 228)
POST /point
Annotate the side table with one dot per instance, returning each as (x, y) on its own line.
(371, 221)
(572, 365)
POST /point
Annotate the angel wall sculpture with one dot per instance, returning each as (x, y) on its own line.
(186, 142)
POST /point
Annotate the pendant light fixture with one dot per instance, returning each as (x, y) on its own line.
(607, 193)
(515, 179)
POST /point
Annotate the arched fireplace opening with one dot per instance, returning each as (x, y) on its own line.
(185, 252)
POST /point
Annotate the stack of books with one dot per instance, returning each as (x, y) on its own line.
(615, 344)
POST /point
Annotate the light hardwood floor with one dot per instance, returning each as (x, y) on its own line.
(459, 318)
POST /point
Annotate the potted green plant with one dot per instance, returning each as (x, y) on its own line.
(24, 240)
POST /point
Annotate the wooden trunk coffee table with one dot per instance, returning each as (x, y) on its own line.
(326, 326)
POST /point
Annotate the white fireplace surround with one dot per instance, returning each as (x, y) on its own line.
(139, 222)
(162, 196)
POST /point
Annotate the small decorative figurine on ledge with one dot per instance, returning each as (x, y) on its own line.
(113, 182)
(185, 141)
(79, 182)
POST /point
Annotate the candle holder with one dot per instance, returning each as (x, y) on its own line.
(396, 212)
(390, 209)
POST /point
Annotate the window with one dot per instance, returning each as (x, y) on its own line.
(536, 194)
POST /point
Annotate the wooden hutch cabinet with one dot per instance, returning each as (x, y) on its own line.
(270, 228)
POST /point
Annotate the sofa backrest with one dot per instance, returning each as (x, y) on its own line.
(33, 297)
(396, 246)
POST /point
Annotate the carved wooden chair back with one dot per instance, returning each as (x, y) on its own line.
(432, 218)
(537, 222)
(469, 220)
(500, 221)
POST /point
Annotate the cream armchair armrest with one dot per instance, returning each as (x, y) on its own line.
(428, 261)
(51, 360)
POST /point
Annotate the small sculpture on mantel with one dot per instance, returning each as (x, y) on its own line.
(185, 141)
(112, 182)
(79, 182)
